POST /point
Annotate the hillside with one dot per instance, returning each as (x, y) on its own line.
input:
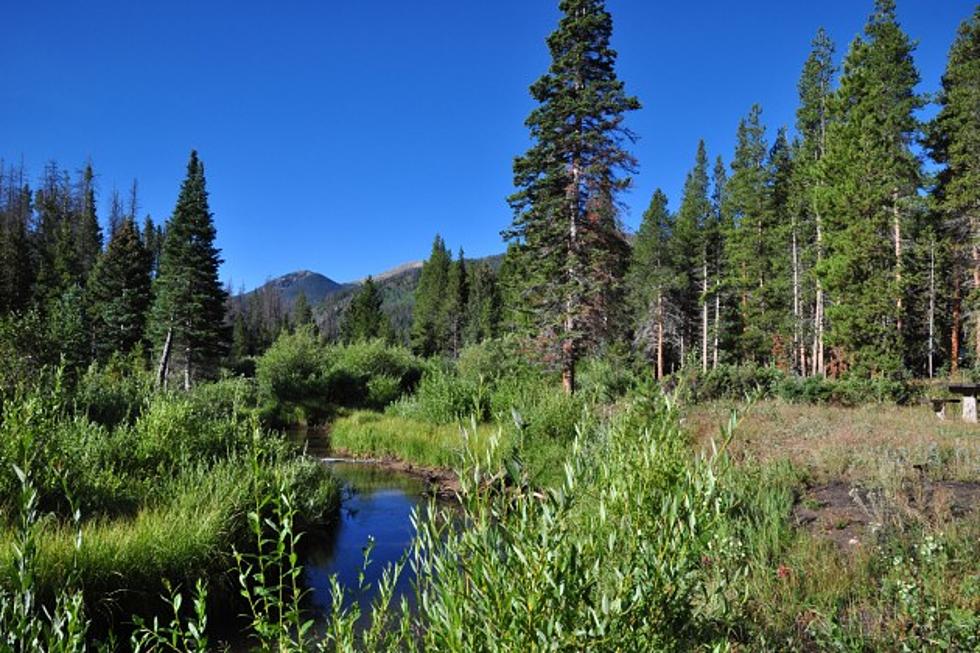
(288, 287)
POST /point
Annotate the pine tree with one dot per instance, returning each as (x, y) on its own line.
(457, 297)
(87, 234)
(777, 310)
(68, 331)
(16, 265)
(720, 329)
(812, 120)
(871, 179)
(483, 311)
(153, 238)
(118, 293)
(749, 215)
(364, 319)
(652, 283)
(954, 142)
(189, 304)
(690, 252)
(53, 245)
(565, 206)
(429, 328)
(302, 311)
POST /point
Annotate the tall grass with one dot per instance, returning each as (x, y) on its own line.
(367, 433)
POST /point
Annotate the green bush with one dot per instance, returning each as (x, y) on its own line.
(292, 380)
(361, 375)
(444, 397)
(115, 392)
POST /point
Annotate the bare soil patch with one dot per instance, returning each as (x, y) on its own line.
(849, 515)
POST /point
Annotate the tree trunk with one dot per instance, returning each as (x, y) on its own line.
(164, 366)
(704, 313)
(932, 304)
(797, 318)
(660, 335)
(568, 366)
(897, 228)
(954, 336)
(714, 353)
(187, 368)
(818, 364)
(976, 289)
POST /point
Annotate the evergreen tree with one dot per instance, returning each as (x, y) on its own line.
(688, 255)
(777, 311)
(721, 330)
(748, 257)
(429, 328)
(652, 283)
(457, 297)
(483, 311)
(871, 179)
(565, 206)
(16, 266)
(153, 238)
(364, 319)
(68, 331)
(87, 234)
(302, 311)
(812, 120)
(53, 246)
(189, 303)
(954, 142)
(118, 293)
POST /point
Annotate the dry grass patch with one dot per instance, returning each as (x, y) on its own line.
(877, 445)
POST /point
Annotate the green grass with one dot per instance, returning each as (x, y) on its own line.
(366, 433)
(123, 563)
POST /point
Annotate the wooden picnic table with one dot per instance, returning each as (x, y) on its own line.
(968, 393)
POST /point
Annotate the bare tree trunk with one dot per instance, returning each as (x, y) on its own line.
(187, 368)
(818, 365)
(976, 288)
(568, 366)
(714, 353)
(797, 317)
(932, 304)
(660, 335)
(954, 336)
(164, 366)
(897, 228)
(704, 313)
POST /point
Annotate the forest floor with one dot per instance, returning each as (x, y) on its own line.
(860, 467)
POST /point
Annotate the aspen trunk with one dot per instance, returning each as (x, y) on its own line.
(164, 366)
(568, 367)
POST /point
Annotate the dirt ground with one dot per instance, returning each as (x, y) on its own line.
(863, 468)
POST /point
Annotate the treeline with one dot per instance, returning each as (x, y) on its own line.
(828, 252)
(71, 294)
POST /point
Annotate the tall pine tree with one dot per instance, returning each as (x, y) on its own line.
(565, 206)
(954, 142)
(429, 328)
(364, 319)
(188, 313)
(870, 179)
(118, 293)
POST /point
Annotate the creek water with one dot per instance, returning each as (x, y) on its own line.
(377, 504)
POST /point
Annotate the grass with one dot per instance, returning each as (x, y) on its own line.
(877, 444)
(423, 443)
(124, 564)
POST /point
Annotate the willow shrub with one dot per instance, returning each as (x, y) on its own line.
(629, 553)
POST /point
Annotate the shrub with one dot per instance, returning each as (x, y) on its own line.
(444, 397)
(369, 374)
(291, 378)
(115, 392)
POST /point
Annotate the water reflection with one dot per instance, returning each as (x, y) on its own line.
(377, 503)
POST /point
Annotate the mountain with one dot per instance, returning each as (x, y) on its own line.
(288, 287)
(330, 298)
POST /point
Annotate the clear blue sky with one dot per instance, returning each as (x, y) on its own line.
(340, 135)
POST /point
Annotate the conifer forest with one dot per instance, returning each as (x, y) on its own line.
(734, 427)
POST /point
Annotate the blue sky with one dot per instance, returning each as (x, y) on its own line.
(341, 135)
